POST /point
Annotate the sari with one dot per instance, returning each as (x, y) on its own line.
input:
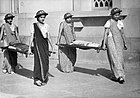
(66, 55)
(115, 50)
(10, 57)
(41, 55)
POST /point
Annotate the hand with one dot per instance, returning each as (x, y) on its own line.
(103, 47)
(71, 43)
(29, 51)
(57, 44)
(19, 41)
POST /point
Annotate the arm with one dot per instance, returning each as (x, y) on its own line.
(124, 39)
(104, 38)
(17, 34)
(74, 35)
(1, 32)
(31, 39)
(59, 34)
(66, 37)
(50, 40)
(106, 32)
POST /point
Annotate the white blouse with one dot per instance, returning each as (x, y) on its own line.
(120, 25)
(44, 29)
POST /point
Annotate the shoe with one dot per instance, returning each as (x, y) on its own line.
(45, 81)
(113, 78)
(4, 71)
(121, 80)
(11, 72)
(19, 66)
(38, 83)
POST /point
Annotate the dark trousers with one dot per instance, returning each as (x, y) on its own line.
(13, 59)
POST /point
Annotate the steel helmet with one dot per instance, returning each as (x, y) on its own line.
(67, 15)
(40, 12)
(9, 15)
(115, 10)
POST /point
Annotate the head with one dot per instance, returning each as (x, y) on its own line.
(68, 17)
(9, 18)
(115, 13)
(41, 15)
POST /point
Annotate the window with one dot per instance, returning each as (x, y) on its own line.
(102, 4)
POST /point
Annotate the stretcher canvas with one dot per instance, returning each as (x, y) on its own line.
(83, 45)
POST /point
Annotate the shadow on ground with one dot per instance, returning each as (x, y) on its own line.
(99, 71)
(25, 72)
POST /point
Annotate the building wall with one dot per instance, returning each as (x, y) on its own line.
(92, 27)
(31, 6)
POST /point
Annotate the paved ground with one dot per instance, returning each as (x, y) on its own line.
(90, 80)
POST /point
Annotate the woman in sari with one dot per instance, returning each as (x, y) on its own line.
(114, 41)
(41, 39)
(66, 55)
(9, 35)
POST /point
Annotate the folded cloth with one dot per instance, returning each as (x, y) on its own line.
(85, 43)
(82, 45)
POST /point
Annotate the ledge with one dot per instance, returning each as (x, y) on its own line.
(95, 20)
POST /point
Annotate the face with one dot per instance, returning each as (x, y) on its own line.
(41, 19)
(116, 16)
(9, 20)
(69, 20)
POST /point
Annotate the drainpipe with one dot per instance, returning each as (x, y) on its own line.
(72, 5)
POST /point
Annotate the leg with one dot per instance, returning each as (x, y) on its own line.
(13, 59)
(6, 62)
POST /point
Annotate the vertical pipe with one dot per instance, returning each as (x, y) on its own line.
(11, 6)
(72, 5)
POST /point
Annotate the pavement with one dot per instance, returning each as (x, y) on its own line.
(91, 79)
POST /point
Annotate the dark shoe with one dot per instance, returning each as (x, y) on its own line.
(121, 80)
(113, 78)
(38, 83)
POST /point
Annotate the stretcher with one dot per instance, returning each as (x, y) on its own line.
(85, 45)
(19, 47)
(23, 48)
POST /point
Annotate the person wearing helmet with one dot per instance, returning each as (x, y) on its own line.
(114, 41)
(66, 35)
(40, 37)
(9, 34)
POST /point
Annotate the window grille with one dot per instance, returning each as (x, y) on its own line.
(102, 4)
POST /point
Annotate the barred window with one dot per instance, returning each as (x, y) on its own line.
(102, 4)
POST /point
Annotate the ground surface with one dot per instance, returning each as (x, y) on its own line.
(90, 80)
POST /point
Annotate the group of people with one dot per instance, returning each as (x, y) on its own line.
(113, 41)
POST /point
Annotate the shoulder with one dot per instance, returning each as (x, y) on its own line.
(62, 24)
(14, 25)
(120, 23)
(2, 26)
(46, 25)
(107, 24)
